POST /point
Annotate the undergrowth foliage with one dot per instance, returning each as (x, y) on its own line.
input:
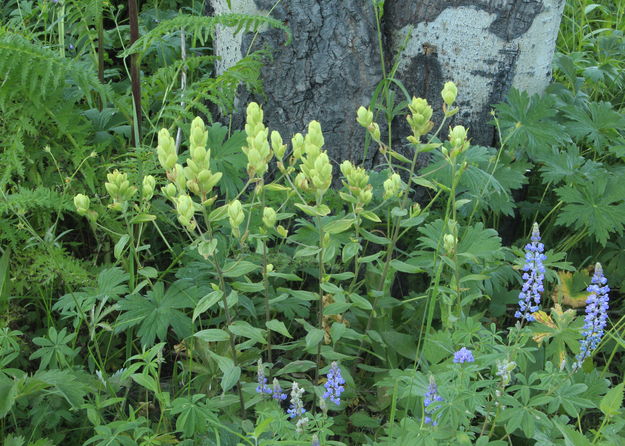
(284, 308)
(214, 286)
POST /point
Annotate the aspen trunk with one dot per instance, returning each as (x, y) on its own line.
(333, 64)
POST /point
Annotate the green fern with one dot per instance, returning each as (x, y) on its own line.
(35, 72)
(202, 27)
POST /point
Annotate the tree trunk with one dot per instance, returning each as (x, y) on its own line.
(484, 46)
(328, 71)
(333, 64)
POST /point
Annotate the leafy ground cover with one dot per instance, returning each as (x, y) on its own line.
(201, 285)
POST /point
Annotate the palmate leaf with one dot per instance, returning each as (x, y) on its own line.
(159, 310)
(528, 123)
(596, 206)
(568, 165)
(487, 181)
(476, 243)
(598, 122)
(228, 158)
(561, 329)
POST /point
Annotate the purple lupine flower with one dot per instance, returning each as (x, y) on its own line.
(529, 297)
(334, 385)
(297, 405)
(262, 380)
(463, 355)
(429, 402)
(277, 393)
(596, 315)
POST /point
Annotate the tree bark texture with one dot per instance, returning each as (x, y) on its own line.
(333, 64)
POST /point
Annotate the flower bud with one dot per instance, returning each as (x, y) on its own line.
(282, 231)
(364, 117)
(277, 145)
(269, 217)
(147, 190)
(166, 150)
(458, 136)
(449, 93)
(199, 135)
(449, 243)
(169, 191)
(298, 145)
(235, 214)
(419, 120)
(374, 131)
(119, 188)
(179, 178)
(314, 135)
(82, 203)
(301, 182)
(186, 210)
(393, 186)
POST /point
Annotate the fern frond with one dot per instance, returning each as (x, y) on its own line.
(29, 70)
(202, 27)
(28, 199)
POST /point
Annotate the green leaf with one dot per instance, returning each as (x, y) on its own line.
(206, 303)
(212, 335)
(238, 268)
(230, 378)
(529, 123)
(142, 218)
(118, 250)
(8, 394)
(405, 267)
(314, 211)
(158, 310)
(596, 206)
(307, 251)
(338, 226)
(360, 302)
(296, 367)
(145, 381)
(279, 327)
(244, 329)
(313, 338)
(612, 401)
(371, 216)
(4, 276)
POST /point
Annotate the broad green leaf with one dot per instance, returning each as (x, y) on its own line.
(145, 381)
(118, 250)
(338, 226)
(405, 267)
(212, 335)
(239, 268)
(612, 401)
(313, 338)
(244, 329)
(596, 207)
(279, 327)
(296, 367)
(230, 378)
(206, 303)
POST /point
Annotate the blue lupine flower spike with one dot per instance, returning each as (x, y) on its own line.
(463, 355)
(533, 276)
(429, 402)
(334, 385)
(297, 405)
(278, 394)
(262, 380)
(596, 315)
